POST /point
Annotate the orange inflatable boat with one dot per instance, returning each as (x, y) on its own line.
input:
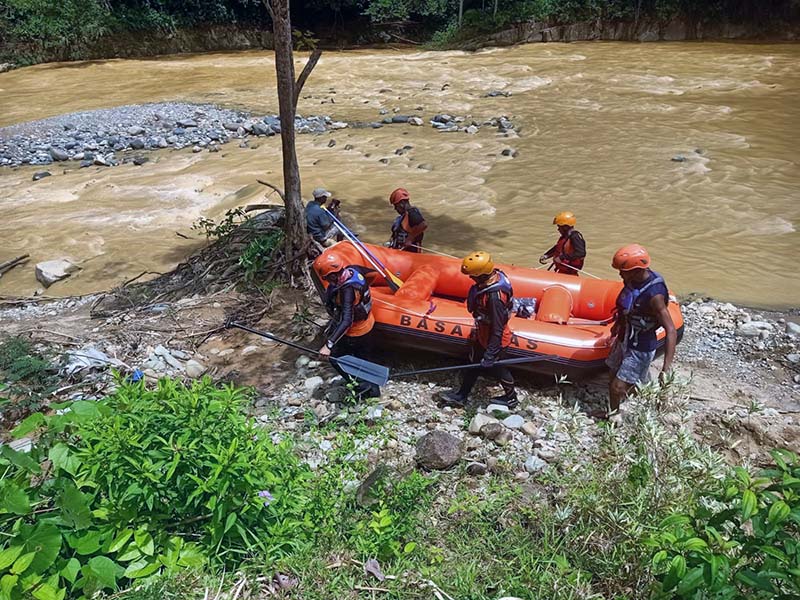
(572, 320)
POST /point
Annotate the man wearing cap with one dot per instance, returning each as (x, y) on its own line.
(318, 221)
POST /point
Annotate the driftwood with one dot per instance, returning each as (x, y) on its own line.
(14, 262)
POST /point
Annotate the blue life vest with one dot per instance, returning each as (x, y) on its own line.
(476, 301)
(634, 304)
(358, 282)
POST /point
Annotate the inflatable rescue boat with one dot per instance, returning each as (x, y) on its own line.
(564, 316)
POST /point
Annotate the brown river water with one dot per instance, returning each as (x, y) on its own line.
(597, 126)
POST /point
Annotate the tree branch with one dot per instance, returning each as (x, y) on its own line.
(301, 81)
(269, 9)
(269, 185)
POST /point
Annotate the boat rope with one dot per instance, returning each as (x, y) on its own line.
(432, 251)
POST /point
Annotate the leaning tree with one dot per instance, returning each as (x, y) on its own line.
(297, 240)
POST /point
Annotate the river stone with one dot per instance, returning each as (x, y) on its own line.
(530, 430)
(491, 431)
(312, 383)
(137, 144)
(140, 160)
(534, 464)
(250, 350)
(50, 271)
(438, 450)
(231, 126)
(400, 119)
(792, 329)
(498, 410)
(41, 175)
(477, 468)
(514, 422)
(58, 154)
(509, 152)
(260, 129)
(186, 123)
(478, 421)
(135, 130)
(753, 328)
(472, 129)
(194, 369)
(416, 121)
(678, 158)
(331, 143)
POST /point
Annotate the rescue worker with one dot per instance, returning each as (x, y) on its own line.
(319, 223)
(409, 227)
(641, 308)
(489, 301)
(348, 301)
(569, 252)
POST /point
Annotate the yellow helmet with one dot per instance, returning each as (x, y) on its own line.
(565, 218)
(477, 264)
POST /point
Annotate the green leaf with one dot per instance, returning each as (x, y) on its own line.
(45, 540)
(8, 556)
(13, 499)
(27, 425)
(62, 458)
(105, 570)
(409, 547)
(691, 581)
(694, 544)
(85, 410)
(778, 512)
(191, 557)
(74, 507)
(71, 570)
(46, 592)
(749, 505)
(22, 563)
(753, 580)
(20, 459)
(229, 522)
(119, 541)
(775, 553)
(144, 541)
(7, 584)
(659, 557)
(86, 544)
(141, 568)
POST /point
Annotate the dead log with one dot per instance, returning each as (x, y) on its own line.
(14, 262)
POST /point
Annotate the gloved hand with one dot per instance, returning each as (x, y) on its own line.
(488, 361)
(543, 259)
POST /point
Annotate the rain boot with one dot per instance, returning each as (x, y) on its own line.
(509, 397)
(454, 398)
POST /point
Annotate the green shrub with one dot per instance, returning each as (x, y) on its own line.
(258, 253)
(28, 377)
(141, 483)
(741, 541)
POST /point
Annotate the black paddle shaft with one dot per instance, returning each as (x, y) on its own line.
(507, 361)
(274, 338)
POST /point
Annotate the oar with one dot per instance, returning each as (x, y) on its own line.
(391, 279)
(506, 361)
(356, 367)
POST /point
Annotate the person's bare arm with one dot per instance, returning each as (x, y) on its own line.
(659, 307)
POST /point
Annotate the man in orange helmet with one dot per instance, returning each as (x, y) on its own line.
(641, 308)
(489, 301)
(349, 302)
(570, 250)
(409, 227)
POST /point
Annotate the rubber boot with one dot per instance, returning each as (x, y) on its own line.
(509, 397)
(454, 398)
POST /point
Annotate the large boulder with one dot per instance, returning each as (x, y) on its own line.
(438, 450)
(50, 271)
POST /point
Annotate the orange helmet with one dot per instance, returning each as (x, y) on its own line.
(398, 196)
(327, 263)
(565, 218)
(630, 257)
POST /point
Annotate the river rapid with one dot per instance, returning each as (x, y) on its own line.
(597, 126)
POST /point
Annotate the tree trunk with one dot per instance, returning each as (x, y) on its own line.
(460, 12)
(494, 13)
(288, 93)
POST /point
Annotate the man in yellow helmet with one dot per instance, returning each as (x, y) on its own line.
(570, 250)
(489, 301)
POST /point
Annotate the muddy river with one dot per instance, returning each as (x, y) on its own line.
(597, 126)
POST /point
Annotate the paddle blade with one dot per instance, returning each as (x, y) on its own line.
(363, 369)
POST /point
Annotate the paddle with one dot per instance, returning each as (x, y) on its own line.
(356, 367)
(507, 361)
(392, 280)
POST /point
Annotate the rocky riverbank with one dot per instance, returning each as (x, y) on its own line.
(108, 137)
(740, 390)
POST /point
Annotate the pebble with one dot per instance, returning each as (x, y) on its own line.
(478, 421)
(530, 429)
(498, 410)
(312, 383)
(194, 368)
(534, 464)
(477, 468)
(514, 422)
(250, 350)
(41, 175)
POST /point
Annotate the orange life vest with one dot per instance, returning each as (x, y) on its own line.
(564, 247)
(478, 305)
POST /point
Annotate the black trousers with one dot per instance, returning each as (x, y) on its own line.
(360, 347)
(470, 376)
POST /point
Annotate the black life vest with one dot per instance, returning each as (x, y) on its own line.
(637, 313)
(358, 282)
